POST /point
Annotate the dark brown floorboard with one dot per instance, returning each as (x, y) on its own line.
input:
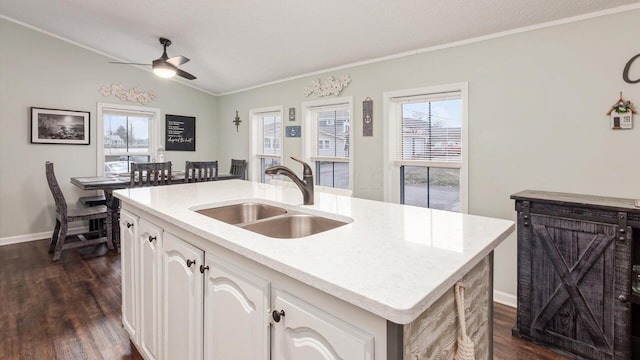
(71, 309)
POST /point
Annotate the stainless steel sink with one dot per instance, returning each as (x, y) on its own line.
(271, 221)
(293, 226)
(242, 213)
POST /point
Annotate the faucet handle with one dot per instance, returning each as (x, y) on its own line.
(307, 168)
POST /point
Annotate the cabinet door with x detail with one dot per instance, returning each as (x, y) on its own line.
(574, 285)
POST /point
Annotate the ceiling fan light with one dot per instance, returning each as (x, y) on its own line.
(164, 70)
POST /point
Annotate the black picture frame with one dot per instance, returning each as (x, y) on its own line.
(58, 126)
(180, 133)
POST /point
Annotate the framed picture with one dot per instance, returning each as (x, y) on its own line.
(54, 126)
(180, 133)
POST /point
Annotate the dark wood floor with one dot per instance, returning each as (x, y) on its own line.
(71, 309)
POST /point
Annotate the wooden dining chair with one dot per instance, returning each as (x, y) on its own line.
(64, 216)
(150, 174)
(239, 167)
(197, 171)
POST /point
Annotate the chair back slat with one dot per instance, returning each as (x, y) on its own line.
(239, 167)
(58, 196)
(150, 174)
(197, 171)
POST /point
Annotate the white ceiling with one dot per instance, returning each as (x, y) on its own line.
(238, 44)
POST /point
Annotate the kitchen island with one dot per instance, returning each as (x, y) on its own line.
(378, 287)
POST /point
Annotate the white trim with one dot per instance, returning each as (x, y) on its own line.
(154, 137)
(254, 166)
(473, 40)
(10, 240)
(390, 111)
(505, 298)
(308, 146)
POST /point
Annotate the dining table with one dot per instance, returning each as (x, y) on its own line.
(122, 181)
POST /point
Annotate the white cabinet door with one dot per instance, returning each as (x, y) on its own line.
(182, 300)
(128, 263)
(308, 333)
(150, 242)
(236, 309)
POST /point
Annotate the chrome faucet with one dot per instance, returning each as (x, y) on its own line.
(305, 184)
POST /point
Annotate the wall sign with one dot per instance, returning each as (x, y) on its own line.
(180, 133)
(292, 131)
(621, 114)
(292, 114)
(367, 117)
(627, 68)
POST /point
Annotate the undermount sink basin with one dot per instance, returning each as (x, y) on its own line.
(270, 220)
(292, 226)
(242, 213)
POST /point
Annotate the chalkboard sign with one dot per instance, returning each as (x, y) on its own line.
(180, 133)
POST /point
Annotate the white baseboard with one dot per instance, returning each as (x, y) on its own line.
(38, 236)
(505, 298)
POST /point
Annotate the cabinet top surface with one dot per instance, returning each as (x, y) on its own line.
(391, 260)
(603, 202)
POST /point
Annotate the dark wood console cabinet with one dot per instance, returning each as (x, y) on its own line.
(575, 254)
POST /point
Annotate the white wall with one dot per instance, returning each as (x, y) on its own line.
(537, 104)
(42, 71)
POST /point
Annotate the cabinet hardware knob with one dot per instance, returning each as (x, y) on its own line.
(622, 230)
(129, 225)
(623, 299)
(151, 238)
(203, 268)
(190, 262)
(277, 315)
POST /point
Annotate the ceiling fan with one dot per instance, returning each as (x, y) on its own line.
(164, 66)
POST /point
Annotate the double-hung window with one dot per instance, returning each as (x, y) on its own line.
(266, 132)
(127, 134)
(328, 142)
(426, 147)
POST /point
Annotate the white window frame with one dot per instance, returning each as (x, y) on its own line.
(393, 124)
(310, 137)
(154, 136)
(254, 168)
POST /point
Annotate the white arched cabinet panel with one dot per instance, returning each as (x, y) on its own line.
(150, 242)
(236, 306)
(308, 333)
(182, 299)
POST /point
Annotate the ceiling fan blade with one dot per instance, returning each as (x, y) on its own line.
(185, 74)
(177, 60)
(127, 63)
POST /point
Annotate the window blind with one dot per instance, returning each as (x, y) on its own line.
(428, 134)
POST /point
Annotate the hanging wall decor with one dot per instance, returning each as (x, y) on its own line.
(130, 95)
(329, 86)
(367, 117)
(180, 133)
(627, 70)
(237, 121)
(621, 114)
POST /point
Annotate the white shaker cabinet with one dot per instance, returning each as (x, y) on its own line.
(236, 310)
(150, 243)
(128, 263)
(182, 300)
(304, 332)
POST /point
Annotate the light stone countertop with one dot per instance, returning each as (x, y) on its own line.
(392, 260)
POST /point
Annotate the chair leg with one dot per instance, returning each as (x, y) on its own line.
(54, 236)
(109, 228)
(63, 235)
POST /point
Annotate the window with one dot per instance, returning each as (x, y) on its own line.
(266, 133)
(128, 134)
(425, 148)
(328, 141)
